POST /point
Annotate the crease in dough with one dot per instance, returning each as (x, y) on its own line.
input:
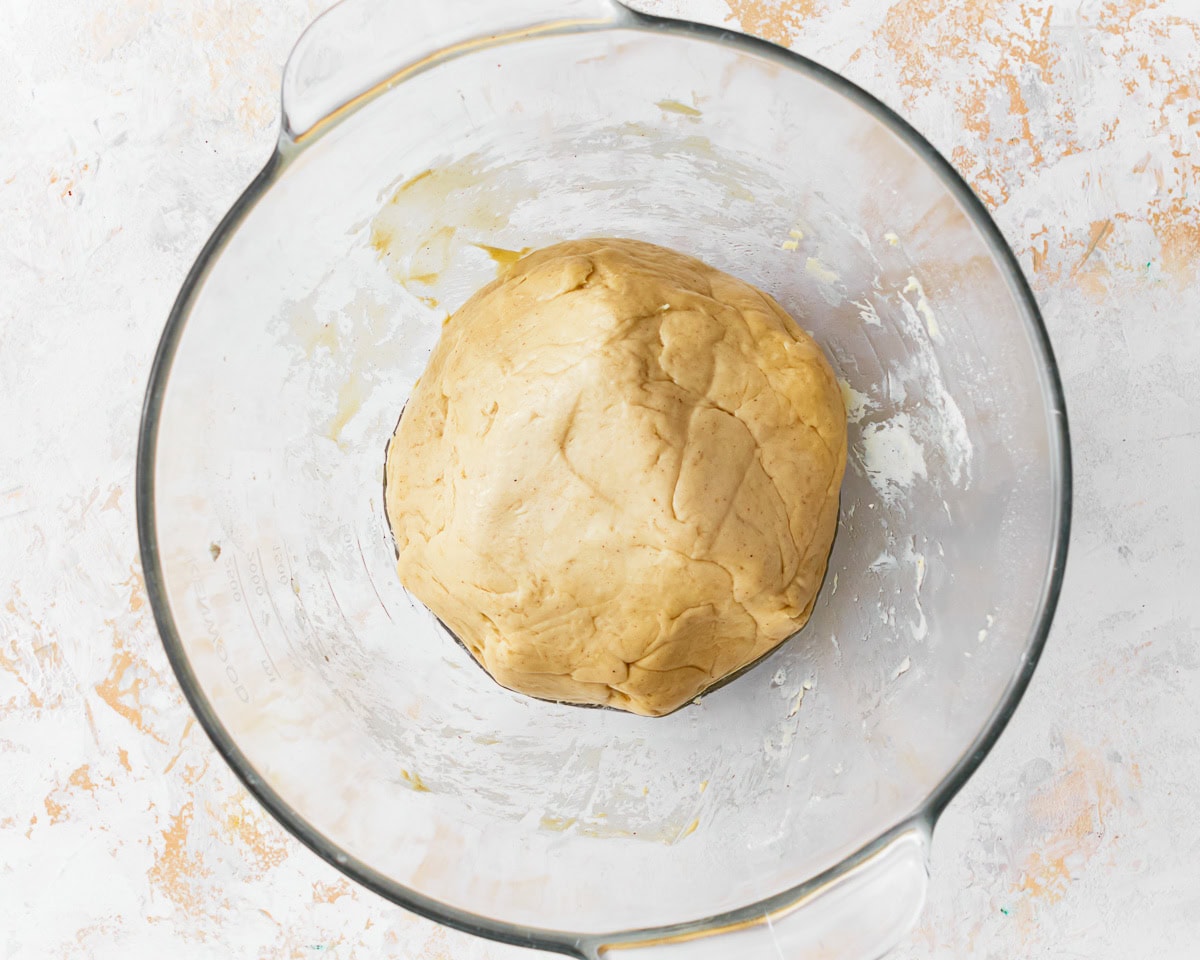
(645, 450)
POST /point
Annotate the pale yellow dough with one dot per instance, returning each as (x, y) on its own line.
(617, 481)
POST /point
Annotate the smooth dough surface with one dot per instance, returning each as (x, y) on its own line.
(617, 480)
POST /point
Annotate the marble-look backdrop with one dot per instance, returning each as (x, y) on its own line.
(127, 129)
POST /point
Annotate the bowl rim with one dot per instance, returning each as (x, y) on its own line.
(560, 941)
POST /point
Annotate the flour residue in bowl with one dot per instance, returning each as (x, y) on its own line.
(858, 404)
(892, 457)
(911, 428)
(441, 233)
(922, 307)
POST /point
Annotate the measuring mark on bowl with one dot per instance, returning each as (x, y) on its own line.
(214, 634)
(284, 580)
(260, 589)
(371, 580)
(338, 603)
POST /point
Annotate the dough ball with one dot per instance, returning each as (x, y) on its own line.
(617, 480)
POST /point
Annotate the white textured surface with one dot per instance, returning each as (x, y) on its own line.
(126, 130)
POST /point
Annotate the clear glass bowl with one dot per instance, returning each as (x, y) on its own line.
(787, 811)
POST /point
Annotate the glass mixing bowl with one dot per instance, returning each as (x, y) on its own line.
(785, 814)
